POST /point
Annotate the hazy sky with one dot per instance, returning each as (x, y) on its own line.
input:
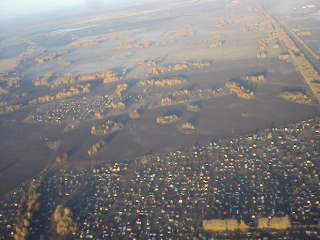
(16, 8)
(20, 8)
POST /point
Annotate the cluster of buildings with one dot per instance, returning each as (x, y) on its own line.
(273, 174)
(80, 109)
(71, 110)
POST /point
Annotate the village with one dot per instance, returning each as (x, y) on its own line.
(243, 187)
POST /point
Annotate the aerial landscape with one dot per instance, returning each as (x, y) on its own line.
(180, 119)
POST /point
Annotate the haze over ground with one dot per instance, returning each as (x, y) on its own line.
(12, 9)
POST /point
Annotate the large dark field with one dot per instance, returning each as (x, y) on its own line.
(24, 151)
